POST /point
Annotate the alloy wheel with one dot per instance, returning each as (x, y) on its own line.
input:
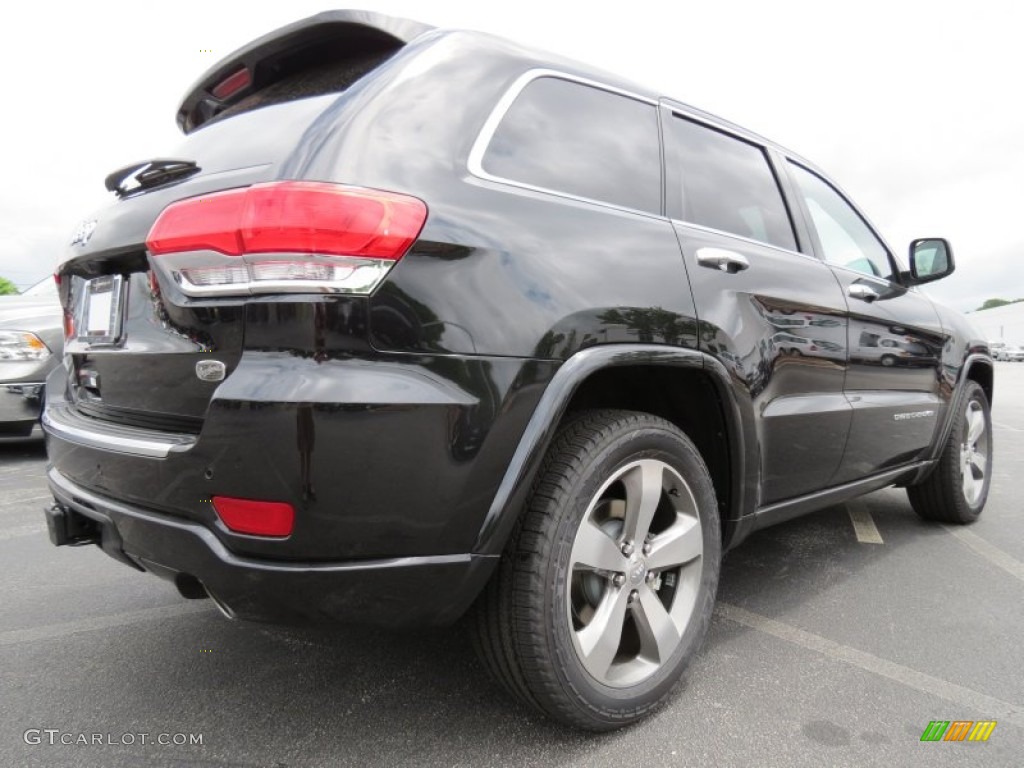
(634, 573)
(974, 453)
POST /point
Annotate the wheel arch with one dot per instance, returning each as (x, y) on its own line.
(684, 386)
(980, 370)
(977, 368)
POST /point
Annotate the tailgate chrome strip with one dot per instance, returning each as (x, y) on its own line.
(62, 422)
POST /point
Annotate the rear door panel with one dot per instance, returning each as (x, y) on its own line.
(796, 387)
(775, 317)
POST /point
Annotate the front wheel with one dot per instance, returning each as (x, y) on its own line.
(956, 491)
(606, 588)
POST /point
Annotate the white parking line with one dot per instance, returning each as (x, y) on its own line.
(21, 471)
(991, 553)
(989, 706)
(54, 631)
(1006, 426)
(33, 505)
(21, 530)
(863, 523)
(24, 496)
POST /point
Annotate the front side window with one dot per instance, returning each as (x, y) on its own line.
(845, 239)
(727, 184)
(568, 137)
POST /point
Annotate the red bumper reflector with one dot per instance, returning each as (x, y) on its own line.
(258, 518)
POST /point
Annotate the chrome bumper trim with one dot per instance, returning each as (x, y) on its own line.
(62, 422)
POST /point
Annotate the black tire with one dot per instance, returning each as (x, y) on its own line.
(942, 496)
(888, 360)
(524, 624)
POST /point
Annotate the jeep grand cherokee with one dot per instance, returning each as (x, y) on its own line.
(420, 323)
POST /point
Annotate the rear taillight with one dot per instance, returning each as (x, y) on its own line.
(293, 236)
(256, 518)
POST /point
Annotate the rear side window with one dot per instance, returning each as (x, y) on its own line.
(568, 137)
(726, 183)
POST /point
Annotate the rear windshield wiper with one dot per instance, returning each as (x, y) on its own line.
(151, 173)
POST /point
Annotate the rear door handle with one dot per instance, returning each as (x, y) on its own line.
(862, 292)
(719, 258)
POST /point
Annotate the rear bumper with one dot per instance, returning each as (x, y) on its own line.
(389, 457)
(402, 591)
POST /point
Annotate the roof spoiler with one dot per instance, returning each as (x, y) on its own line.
(286, 50)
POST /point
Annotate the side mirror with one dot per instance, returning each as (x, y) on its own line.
(931, 258)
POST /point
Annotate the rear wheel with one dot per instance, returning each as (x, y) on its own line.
(606, 588)
(957, 489)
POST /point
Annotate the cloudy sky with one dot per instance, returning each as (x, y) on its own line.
(915, 108)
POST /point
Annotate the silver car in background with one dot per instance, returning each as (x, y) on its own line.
(31, 343)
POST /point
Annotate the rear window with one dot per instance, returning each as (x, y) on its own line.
(726, 183)
(583, 141)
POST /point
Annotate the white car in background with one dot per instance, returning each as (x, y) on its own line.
(31, 343)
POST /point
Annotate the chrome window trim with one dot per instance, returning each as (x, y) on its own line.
(752, 241)
(475, 166)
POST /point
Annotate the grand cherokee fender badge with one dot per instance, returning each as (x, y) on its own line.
(913, 415)
(211, 370)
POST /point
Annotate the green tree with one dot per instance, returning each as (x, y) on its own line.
(7, 288)
(993, 303)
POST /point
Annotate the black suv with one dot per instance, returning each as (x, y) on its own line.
(418, 321)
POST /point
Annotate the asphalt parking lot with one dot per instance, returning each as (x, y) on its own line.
(827, 648)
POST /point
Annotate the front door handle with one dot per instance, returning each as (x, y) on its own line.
(719, 258)
(862, 292)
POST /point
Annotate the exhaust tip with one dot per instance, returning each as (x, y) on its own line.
(224, 609)
(190, 587)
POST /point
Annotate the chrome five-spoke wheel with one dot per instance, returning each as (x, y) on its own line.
(634, 573)
(606, 587)
(957, 488)
(974, 453)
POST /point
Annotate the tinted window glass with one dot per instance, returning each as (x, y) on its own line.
(845, 239)
(572, 138)
(308, 80)
(728, 184)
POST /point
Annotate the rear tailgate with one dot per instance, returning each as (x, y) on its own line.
(136, 340)
(143, 372)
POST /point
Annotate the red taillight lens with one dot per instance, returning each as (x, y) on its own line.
(322, 237)
(258, 518)
(291, 217)
(328, 219)
(208, 223)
